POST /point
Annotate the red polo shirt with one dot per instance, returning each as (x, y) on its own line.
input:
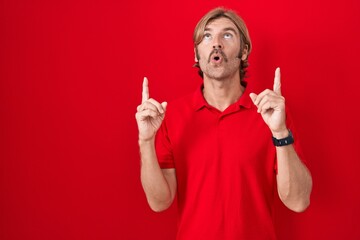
(225, 168)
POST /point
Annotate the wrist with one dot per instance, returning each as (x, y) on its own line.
(145, 141)
(280, 134)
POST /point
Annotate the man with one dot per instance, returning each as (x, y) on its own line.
(223, 151)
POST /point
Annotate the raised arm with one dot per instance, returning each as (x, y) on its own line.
(294, 180)
(159, 184)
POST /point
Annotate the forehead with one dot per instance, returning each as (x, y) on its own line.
(221, 24)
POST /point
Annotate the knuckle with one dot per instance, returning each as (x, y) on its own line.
(148, 104)
(137, 115)
(152, 101)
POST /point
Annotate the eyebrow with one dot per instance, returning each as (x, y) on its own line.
(225, 30)
(230, 29)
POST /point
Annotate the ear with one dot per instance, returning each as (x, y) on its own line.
(244, 53)
(196, 55)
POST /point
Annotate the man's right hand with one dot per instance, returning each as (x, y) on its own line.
(149, 115)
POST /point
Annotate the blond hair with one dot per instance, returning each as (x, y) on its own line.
(245, 42)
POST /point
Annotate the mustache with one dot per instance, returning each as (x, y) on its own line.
(218, 51)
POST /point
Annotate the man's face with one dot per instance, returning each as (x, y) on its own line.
(218, 52)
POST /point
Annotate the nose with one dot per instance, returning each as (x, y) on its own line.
(217, 43)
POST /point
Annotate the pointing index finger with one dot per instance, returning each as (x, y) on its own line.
(145, 90)
(277, 81)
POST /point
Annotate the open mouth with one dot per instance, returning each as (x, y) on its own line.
(216, 58)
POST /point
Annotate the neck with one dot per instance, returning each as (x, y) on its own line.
(222, 93)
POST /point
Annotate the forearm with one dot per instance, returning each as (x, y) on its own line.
(293, 179)
(155, 185)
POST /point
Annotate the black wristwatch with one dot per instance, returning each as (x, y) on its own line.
(284, 141)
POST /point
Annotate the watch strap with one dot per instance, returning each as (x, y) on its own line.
(284, 141)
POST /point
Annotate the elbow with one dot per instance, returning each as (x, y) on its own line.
(305, 206)
(298, 199)
(159, 206)
(300, 207)
(298, 204)
(159, 202)
(158, 209)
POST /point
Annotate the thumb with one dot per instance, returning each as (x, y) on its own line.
(164, 105)
(253, 97)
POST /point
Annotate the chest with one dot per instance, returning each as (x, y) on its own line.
(239, 140)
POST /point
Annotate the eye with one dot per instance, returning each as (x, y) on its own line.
(207, 36)
(228, 35)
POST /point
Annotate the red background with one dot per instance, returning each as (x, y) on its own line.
(71, 73)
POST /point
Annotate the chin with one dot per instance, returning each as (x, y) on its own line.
(218, 75)
(215, 73)
(220, 72)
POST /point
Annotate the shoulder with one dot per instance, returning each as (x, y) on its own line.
(181, 105)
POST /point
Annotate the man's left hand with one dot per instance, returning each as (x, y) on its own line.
(271, 106)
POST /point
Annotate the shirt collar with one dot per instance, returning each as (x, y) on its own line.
(200, 102)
